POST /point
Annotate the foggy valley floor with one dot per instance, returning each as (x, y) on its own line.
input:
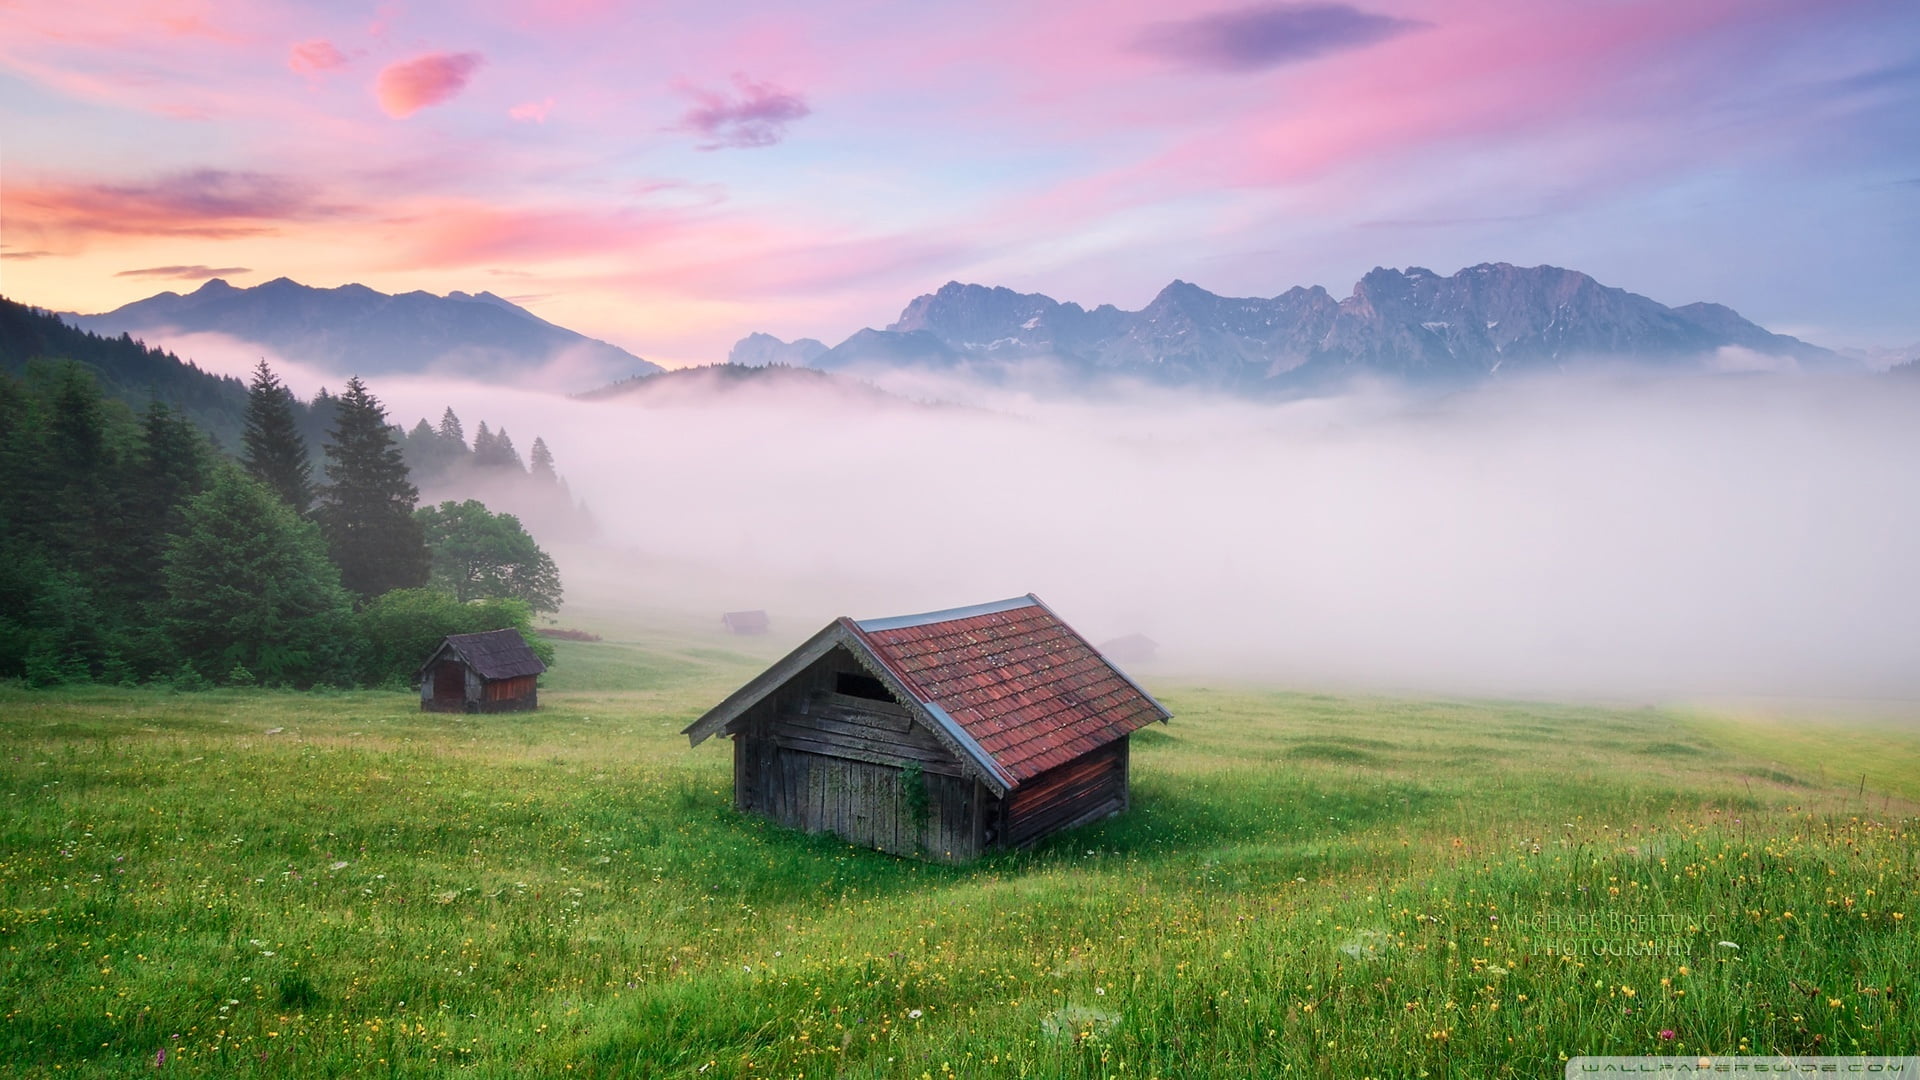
(266, 883)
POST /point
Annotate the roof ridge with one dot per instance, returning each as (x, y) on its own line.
(925, 618)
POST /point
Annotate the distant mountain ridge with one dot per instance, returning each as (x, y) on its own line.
(358, 329)
(760, 350)
(712, 382)
(1412, 324)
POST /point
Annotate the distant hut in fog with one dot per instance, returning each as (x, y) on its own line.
(1131, 649)
(492, 672)
(745, 622)
(941, 735)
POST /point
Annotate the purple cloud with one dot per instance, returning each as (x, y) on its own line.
(1267, 35)
(214, 203)
(200, 194)
(757, 116)
(187, 273)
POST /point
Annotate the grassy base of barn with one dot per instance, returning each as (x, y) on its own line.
(275, 884)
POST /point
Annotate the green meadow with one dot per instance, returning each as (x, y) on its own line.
(258, 883)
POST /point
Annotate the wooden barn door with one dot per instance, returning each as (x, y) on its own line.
(449, 682)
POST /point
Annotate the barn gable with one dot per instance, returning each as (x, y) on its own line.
(732, 715)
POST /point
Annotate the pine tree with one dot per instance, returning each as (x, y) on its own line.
(543, 463)
(504, 455)
(421, 450)
(366, 510)
(275, 454)
(60, 525)
(80, 466)
(482, 445)
(172, 466)
(451, 430)
(494, 450)
(248, 584)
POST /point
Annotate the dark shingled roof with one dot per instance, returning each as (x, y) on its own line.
(1025, 687)
(495, 654)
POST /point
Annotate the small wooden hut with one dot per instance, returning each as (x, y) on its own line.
(941, 735)
(1131, 649)
(491, 672)
(745, 622)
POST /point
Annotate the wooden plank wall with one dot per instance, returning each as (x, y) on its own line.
(516, 687)
(1085, 789)
(822, 761)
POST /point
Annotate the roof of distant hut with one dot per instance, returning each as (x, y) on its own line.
(745, 621)
(1010, 688)
(1130, 646)
(495, 654)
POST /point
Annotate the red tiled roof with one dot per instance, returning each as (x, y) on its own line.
(1022, 684)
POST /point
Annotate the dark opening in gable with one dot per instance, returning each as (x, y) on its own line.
(860, 686)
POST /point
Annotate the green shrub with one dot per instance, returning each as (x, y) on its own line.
(398, 629)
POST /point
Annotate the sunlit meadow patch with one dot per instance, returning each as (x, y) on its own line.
(377, 891)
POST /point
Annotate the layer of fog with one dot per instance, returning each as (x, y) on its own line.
(1621, 537)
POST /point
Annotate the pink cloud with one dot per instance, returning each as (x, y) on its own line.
(313, 57)
(764, 263)
(534, 112)
(458, 233)
(204, 203)
(1474, 73)
(406, 87)
(757, 116)
(1494, 76)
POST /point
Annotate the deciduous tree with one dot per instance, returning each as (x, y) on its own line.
(479, 554)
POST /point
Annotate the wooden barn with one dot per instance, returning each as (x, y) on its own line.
(492, 672)
(745, 622)
(941, 735)
(1131, 649)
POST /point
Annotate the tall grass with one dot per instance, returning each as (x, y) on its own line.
(258, 883)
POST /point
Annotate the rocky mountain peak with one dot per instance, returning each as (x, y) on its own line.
(1490, 319)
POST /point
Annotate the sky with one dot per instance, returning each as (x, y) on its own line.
(672, 176)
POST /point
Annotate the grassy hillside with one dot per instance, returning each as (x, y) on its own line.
(268, 884)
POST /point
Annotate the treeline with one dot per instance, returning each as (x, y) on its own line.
(128, 370)
(133, 550)
(441, 457)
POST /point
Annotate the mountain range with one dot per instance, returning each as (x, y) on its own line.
(1490, 320)
(358, 329)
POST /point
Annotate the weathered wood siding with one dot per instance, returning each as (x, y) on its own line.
(520, 693)
(816, 759)
(819, 760)
(1085, 789)
(508, 689)
(451, 686)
